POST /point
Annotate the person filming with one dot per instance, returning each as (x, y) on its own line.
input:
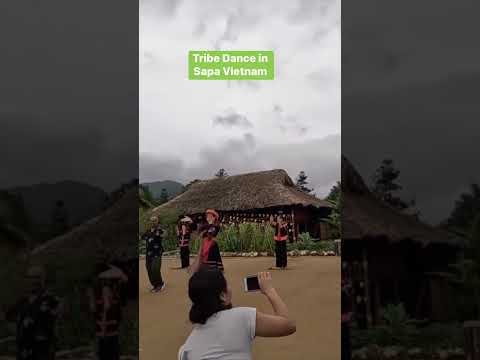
(222, 331)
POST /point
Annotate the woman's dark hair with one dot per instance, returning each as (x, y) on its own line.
(204, 289)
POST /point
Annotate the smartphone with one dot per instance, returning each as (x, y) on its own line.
(251, 283)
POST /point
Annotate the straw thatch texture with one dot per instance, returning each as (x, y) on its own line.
(109, 233)
(364, 216)
(259, 190)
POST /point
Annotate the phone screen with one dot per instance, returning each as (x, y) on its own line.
(252, 283)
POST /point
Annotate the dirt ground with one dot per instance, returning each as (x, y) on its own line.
(311, 290)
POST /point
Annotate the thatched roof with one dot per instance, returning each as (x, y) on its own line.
(258, 190)
(113, 232)
(365, 216)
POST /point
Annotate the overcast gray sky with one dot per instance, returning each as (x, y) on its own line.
(410, 78)
(68, 92)
(190, 129)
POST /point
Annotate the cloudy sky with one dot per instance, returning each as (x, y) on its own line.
(190, 129)
(68, 93)
(410, 77)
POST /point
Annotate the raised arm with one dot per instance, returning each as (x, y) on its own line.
(196, 264)
(279, 324)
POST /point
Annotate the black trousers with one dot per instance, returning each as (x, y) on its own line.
(281, 254)
(185, 256)
(154, 265)
(108, 348)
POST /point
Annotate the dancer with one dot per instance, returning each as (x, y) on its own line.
(36, 314)
(106, 305)
(280, 237)
(209, 252)
(153, 260)
(184, 234)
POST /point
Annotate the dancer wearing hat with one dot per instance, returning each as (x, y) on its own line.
(153, 260)
(209, 252)
(280, 237)
(184, 235)
(105, 301)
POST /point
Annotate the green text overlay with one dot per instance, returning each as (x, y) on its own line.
(230, 65)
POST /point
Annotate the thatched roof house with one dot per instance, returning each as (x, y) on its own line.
(109, 233)
(365, 216)
(392, 254)
(263, 191)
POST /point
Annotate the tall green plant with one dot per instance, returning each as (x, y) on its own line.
(334, 218)
(465, 276)
(398, 327)
(245, 238)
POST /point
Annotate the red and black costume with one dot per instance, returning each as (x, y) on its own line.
(280, 237)
(184, 235)
(210, 252)
(107, 320)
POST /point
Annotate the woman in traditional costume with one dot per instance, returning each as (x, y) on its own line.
(184, 235)
(280, 237)
(209, 252)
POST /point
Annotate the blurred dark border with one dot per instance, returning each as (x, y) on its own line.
(69, 179)
(410, 179)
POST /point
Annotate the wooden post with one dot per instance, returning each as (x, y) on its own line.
(295, 229)
(367, 286)
(472, 339)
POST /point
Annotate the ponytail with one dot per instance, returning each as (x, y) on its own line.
(205, 289)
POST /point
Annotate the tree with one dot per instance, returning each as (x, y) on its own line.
(465, 276)
(146, 197)
(60, 218)
(334, 193)
(475, 239)
(163, 196)
(465, 210)
(302, 182)
(385, 186)
(221, 173)
(334, 218)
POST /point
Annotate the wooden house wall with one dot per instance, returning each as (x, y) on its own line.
(397, 274)
(307, 219)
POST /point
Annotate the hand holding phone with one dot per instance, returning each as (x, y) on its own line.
(265, 282)
(251, 283)
(260, 282)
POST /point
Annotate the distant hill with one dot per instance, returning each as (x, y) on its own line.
(173, 188)
(82, 201)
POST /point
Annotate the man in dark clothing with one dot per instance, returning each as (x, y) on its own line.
(36, 315)
(153, 259)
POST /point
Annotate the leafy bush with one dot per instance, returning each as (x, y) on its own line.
(306, 242)
(248, 237)
(432, 337)
(401, 330)
(397, 329)
(245, 238)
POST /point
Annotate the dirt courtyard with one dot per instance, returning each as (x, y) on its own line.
(311, 290)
